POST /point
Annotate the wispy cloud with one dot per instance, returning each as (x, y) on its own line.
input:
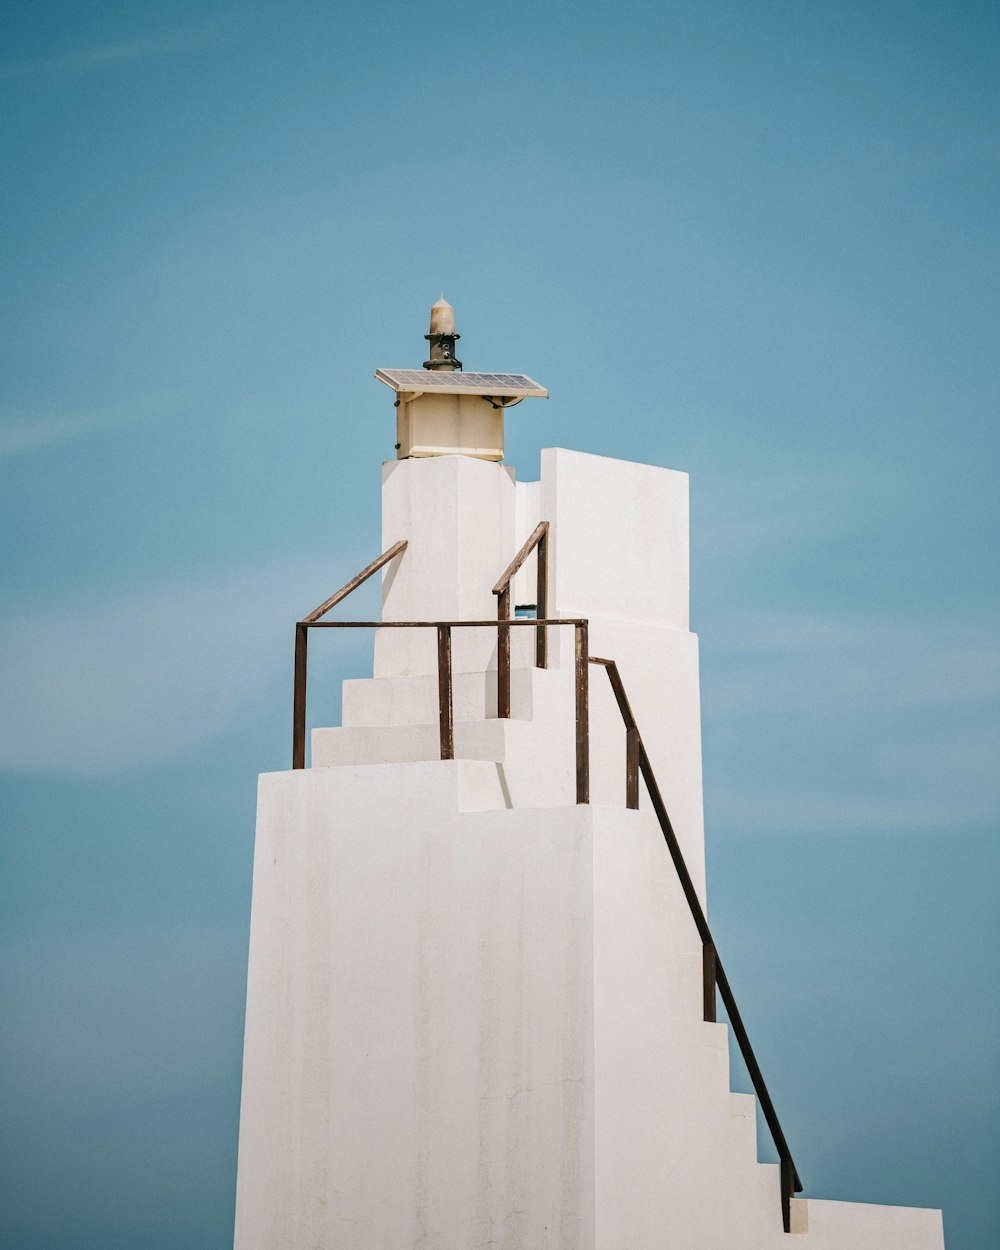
(866, 661)
(146, 674)
(852, 722)
(771, 809)
(112, 52)
(18, 436)
(769, 509)
(847, 719)
(32, 435)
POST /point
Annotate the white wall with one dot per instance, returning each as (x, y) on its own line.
(417, 1068)
(621, 538)
(473, 1007)
(457, 515)
(620, 557)
(470, 1028)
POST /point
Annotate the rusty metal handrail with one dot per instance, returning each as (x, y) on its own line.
(713, 973)
(539, 538)
(395, 550)
(302, 641)
(446, 718)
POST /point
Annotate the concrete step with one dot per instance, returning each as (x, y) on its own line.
(866, 1226)
(390, 701)
(405, 744)
(516, 746)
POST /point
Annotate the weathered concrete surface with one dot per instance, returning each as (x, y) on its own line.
(474, 1008)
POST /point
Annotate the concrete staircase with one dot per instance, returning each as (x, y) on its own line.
(395, 720)
(475, 1012)
(494, 1018)
(674, 1151)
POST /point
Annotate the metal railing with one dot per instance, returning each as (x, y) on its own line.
(636, 764)
(713, 973)
(539, 538)
(302, 647)
(446, 715)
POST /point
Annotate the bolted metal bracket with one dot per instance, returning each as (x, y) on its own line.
(442, 351)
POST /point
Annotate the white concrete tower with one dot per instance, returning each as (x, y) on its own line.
(476, 1006)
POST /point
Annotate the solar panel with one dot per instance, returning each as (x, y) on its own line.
(453, 382)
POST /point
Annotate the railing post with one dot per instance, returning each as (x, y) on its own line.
(299, 697)
(536, 541)
(632, 767)
(503, 654)
(633, 743)
(787, 1190)
(709, 961)
(582, 715)
(542, 598)
(445, 715)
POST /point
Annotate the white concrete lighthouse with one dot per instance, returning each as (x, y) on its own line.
(481, 992)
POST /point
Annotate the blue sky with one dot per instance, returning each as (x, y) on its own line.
(754, 242)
